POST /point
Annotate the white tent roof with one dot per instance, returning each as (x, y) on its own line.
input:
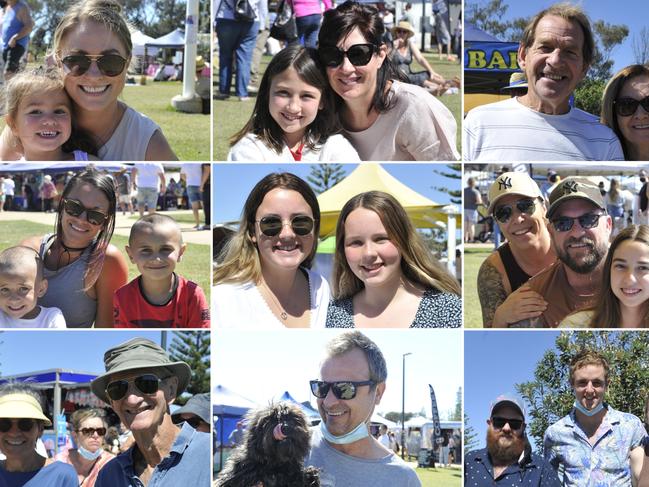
(139, 39)
(174, 39)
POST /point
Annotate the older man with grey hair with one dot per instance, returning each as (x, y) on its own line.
(352, 382)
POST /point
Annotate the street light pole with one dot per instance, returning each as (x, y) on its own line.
(403, 404)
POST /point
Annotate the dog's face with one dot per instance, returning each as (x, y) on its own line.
(278, 433)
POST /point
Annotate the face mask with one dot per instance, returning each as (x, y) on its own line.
(88, 455)
(587, 412)
(361, 431)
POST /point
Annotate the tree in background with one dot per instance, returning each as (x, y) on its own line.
(641, 46)
(470, 436)
(455, 173)
(194, 349)
(607, 37)
(456, 413)
(550, 395)
(325, 176)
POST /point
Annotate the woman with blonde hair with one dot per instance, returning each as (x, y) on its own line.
(625, 109)
(615, 205)
(384, 276)
(623, 301)
(263, 276)
(89, 456)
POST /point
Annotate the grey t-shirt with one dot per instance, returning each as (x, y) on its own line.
(340, 470)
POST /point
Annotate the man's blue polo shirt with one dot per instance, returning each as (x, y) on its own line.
(478, 472)
(188, 463)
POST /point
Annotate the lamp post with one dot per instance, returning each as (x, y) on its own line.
(403, 404)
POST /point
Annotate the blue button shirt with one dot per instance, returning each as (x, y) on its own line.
(478, 472)
(188, 463)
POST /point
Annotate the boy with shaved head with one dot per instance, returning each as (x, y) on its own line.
(159, 298)
(21, 284)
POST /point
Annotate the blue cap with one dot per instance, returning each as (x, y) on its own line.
(507, 399)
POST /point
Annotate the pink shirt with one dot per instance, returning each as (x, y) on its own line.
(302, 8)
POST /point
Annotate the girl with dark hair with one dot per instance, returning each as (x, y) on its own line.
(82, 267)
(263, 276)
(384, 276)
(623, 301)
(293, 118)
(383, 117)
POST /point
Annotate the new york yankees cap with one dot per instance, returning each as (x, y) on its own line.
(575, 188)
(512, 183)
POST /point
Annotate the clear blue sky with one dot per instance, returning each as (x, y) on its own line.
(632, 13)
(261, 365)
(494, 361)
(231, 183)
(80, 350)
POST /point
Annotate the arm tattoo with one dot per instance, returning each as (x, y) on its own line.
(490, 290)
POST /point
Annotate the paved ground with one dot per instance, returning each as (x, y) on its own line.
(122, 225)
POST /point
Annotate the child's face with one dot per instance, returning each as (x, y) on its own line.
(630, 273)
(19, 291)
(43, 122)
(156, 250)
(293, 104)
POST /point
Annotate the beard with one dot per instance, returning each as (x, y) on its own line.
(589, 262)
(505, 454)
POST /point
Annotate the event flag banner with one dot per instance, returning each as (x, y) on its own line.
(435, 412)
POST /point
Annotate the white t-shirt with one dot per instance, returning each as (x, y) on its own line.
(242, 306)
(509, 131)
(147, 174)
(47, 318)
(194, 173)
(252, 149)
(8, 186)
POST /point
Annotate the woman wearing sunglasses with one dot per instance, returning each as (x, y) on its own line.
(623, 300)
(263, 277)
(21, 425)
(92, 47)
(384, 276)
(384, 118)
(82, 267)
(625, 108)
(88, 431)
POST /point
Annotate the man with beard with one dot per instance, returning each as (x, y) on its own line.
(519, 210)
(580, 230)
(508, 459)
(594, 444)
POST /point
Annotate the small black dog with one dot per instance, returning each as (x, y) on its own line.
(275, 444)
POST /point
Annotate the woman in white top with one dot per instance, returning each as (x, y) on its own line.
(615, 206)
(262, 277)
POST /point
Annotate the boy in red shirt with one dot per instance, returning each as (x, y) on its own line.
(159, 298)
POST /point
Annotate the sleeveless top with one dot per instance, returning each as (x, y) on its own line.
(643, 481)
(65, 289)
(516, 275)
(130, 139)
(11, 25)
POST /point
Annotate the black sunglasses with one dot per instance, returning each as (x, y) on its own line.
(194, 421)
(146, 384)
(500, 423)
(272, 225)
(626, 106)
(24, 424)
(110, 65)
(91, 431)
(342, 390)
(565, 223)
(503, 213)
(75, 208)
(358, 54)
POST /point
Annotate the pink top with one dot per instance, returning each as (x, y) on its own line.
(302, 8)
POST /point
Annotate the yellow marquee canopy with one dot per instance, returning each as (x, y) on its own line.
(423, 212)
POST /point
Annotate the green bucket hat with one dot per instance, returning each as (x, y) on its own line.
(139, 353)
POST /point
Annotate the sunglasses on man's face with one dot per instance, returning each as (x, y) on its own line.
(565, 223)
(503, 213)
(342, 389)
(75, 208)
(110, 65)
(147, 384)
(626, 106)
(194, 421)
(358, 54)
(24, 424)
(271, 226)
(499, 423)
(92, 431)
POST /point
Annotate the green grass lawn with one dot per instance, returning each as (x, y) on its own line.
(179, 217)
(195, 265)
(440, 477)
(231, 115)
(188, 133)
(472, 260)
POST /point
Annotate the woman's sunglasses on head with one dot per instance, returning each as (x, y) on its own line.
(626, 106)
(271, 226)
(358, 54)
(110, 65)
(75, 208)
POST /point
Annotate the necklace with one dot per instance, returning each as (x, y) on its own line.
(66, 250)
(282, 313)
